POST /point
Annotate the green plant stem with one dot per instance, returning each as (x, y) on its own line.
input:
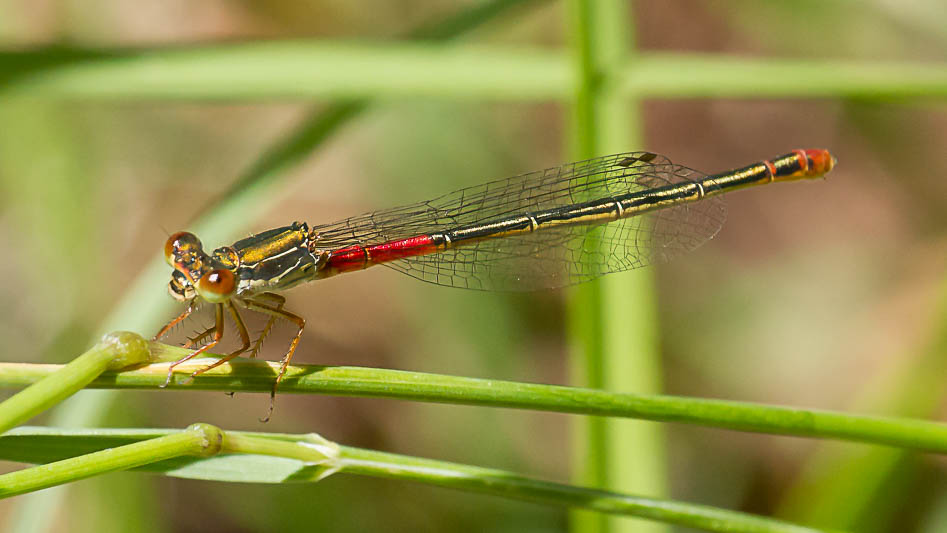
(615, 316)
(497, 482)
(587, 358)
(671, 75)
(115, 351)
(257, 376)
(283, 69)
(150, 447)
(198, 439)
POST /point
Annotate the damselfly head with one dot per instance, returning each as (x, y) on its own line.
(195, 272)
(180, 288)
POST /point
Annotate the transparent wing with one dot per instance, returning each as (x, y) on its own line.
(549, 257)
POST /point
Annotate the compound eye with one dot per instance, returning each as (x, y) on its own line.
(217, 285)
(180, 244)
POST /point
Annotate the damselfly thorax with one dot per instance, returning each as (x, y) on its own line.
(547, 229)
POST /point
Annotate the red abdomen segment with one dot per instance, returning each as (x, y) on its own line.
(357, 257)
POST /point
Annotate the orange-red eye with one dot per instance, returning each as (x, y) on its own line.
(179, 244)
(217, 285)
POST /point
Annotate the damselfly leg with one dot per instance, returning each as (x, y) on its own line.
(269, 304)
(276, 300)
(199, 338)
(176, 320)
(218, 334)
(300, 322)
(244, 338)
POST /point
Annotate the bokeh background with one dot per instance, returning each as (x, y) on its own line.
(827, 294)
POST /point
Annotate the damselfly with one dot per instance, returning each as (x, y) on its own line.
(547, 229)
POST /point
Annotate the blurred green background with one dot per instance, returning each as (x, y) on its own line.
(827, 294)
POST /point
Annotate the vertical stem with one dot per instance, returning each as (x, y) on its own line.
(613, 326)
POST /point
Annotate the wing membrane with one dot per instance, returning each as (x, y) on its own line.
(549, 257)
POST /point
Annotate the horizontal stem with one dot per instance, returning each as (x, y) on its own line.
(670, 75)
(508, 485)
(331, 69)
(305, 69)
(197, 440)
(257, 376)
(319, 458)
